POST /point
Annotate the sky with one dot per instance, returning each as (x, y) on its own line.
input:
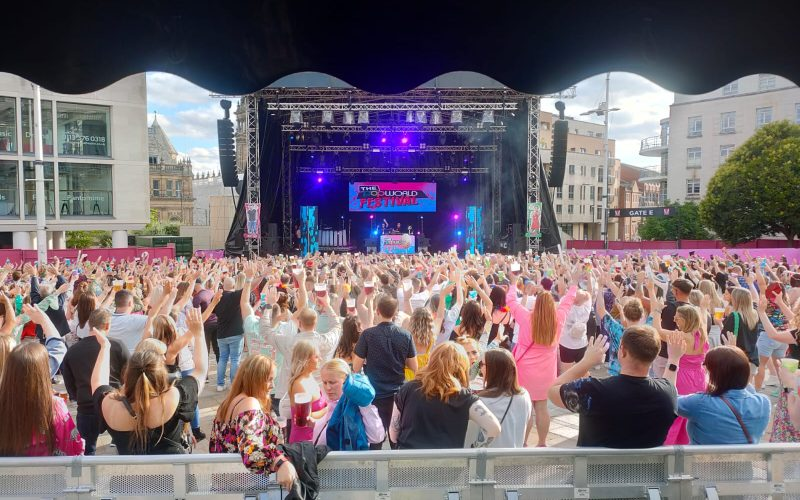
(188, 114)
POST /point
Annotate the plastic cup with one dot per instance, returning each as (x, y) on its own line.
(351, 306)
(790, 364)
(130, 284)
(117, 285)
(301, 409)
(320, 289)
(369, 286)
(718, 312)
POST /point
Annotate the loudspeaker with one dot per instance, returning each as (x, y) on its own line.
(559, 153)
(227, 153)
(518, 241)
(271, 245)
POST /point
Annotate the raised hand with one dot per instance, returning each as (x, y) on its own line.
(194, 320)
(596, 350)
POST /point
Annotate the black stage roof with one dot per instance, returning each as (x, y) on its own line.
(530, 46)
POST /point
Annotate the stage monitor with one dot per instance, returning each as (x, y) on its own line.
(392, 196)
(398, 243)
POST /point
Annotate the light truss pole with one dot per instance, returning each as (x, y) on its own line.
(252, 174)
(534, 160)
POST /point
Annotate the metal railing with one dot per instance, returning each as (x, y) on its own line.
(760, 471)
(652, 145)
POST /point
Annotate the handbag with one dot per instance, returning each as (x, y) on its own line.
(739, 419)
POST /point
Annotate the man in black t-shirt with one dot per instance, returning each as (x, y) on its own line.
(630, 410)
(386, 349)
(230, 331)
(678, 296)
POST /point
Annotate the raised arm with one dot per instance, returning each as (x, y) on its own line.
(101, 373)
(56, 348)
(194, 321)
(9, 318)
(518, 311)
(781, 336)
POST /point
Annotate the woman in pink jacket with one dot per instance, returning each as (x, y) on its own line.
(536, 351)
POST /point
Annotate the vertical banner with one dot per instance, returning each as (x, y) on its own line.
(309, 229)
(534, 220)
(474, 229)
(252, 230)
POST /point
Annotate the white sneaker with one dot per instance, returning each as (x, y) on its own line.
(220, 388)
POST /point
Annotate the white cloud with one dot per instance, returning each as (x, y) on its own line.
(168, 90)
(203, 159)
(642, 104)
(195, 123)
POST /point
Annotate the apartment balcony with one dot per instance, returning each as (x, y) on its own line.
(653, 146)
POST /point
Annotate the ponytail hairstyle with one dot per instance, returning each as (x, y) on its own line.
(85, 305)
(301, 355)
(145, 377)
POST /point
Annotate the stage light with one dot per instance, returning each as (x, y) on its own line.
(349, 118)
(455, 216)
(404, 140)
(464, 179)
(458, 233)
(296, 117)
(456, 116)
(363, 117)
(319, 180)
(327, 117)
(436, 117)
(371, 216)
(410, 117)
(383, 140)
(319, 172)
(375, 232)
(488, 116)
(421, 117)
(417, 233)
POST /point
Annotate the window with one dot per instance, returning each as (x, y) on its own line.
(156, 188)
(83, 129)
(599, 174)
(169, 188)
(724, 152)
(594, 171)
(583, 209)
(763, 116)
(731, 88)
(572, 170)
(598, 134)
(558, 209)
(797, 113)
(766, 82)
(599, 213)
(583, 192)
(8, 125)
(546, 125)
(692, 187)
(8, 189)
(727, 123)
(695, 126)
(84, 189)
(591, 193)
(567, 228)
(599, 193)
(583, 170)
(570, 209)
(559, 192)
(28, 139)
(29, 172)
(583, 150)
(693, 156)
(571, 192)
(597, 152)
(178, 186)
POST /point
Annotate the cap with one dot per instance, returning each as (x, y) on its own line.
(547, 283)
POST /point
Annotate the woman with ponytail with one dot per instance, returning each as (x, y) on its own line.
(146, 416)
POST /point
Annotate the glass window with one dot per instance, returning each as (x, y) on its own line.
(766, 82)
(727, 123)
(558, 209)
(594, 171)
(567, 228)
(30, 189)
(692, 186)
(559, 192)
(583, 192)
(156, 188)
(83, 129)
(178, 186)
(725, 151)
(570, 209)
(571, 192)
(84, 189)
(583, 169)
(8, 189)
(693, 156)
(763, 116)
(591, 193)
(28, 140)
(169, 187)
(583, 150)
(599, 174)
(8, 125)
(599, 213)
(572, 170)
(695, 126)
(731, 88)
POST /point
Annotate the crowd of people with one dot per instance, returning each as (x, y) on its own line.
(359, 352)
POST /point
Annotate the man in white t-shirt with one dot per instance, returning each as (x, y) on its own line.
(126, 327)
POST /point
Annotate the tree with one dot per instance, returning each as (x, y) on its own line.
(684, 224)
(755, 191)
(157, 228)
(87, 239)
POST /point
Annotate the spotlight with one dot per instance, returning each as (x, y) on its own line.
(363, 117)
(421, 117)
(464, 179)
(488, 116)
(375, 232)
(458, 233)
(455, 216)
(349, 118)
(296, 117)
(383, 140)
(319, 180)
(371, 216)
(404, 140)
(410, 117)
(327, 117)
(436, 117)
(456, 116)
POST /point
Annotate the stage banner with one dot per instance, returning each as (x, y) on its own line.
(398, 243)
(309, 229)
(474, 229)
(534, 220)
(392, 196)
(253, 227)
(642, 212)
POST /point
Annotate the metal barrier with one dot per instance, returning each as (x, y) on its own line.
(761, 471)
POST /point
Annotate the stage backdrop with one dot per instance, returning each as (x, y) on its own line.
(392, 196)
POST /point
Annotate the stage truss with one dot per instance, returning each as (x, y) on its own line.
(428, 99)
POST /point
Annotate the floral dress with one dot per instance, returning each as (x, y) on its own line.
(67, 440)
(253, 434)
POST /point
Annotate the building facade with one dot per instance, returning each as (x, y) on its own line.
(95, 159)
(214, 210)
(635, 192)
(578, 203)
(703, 130)
(170, 179)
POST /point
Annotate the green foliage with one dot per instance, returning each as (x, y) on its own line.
(88, 239)
(755, 192)
(684, 224)
(158, 228)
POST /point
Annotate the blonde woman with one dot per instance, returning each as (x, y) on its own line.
(305, 361)
(743, 324)
(244, 423)
(350, 407)
(709, 289)
(433, 410)
(691, 377)
(420, 325)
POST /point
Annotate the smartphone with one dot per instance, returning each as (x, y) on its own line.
(515, 267)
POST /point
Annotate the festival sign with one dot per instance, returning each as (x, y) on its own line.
(642, 212)
(253, 227)
(534, 220)
(392, 196)
(398, 243)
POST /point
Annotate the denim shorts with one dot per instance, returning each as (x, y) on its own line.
(769, 348)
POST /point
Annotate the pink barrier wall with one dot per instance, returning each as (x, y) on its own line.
(776, 253)
(667, 245)
(17, 256)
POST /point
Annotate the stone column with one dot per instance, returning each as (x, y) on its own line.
(119, 238)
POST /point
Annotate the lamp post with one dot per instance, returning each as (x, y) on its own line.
(603, 110)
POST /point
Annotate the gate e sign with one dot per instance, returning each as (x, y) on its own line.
(642, 212)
